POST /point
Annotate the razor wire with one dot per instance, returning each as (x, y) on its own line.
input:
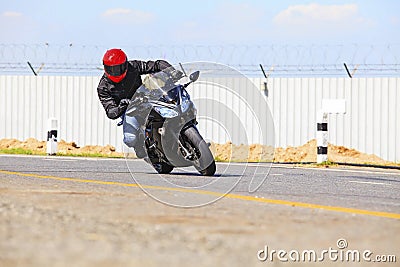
(356, 60)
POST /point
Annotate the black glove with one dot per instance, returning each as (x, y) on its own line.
(124, 102)
(116, 111)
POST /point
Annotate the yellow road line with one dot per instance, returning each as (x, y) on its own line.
(203, 192)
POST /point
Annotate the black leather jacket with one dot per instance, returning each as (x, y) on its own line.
(110, 93)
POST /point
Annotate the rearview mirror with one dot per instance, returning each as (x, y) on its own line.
(194, 76)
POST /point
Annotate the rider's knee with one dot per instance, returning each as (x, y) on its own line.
(130, 139)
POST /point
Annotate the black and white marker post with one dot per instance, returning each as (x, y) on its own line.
(329, 106)
(322, 137)
(51, 148)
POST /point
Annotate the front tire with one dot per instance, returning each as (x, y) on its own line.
(204, 161)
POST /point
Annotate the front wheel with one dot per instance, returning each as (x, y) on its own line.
(203, 159)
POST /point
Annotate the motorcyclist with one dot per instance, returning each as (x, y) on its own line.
(117, 86)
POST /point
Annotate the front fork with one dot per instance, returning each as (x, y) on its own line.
(186, 153)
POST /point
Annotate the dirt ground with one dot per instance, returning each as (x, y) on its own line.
(222, 152)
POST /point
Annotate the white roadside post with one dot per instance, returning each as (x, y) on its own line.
(322, 136)
(52, 130)
(329, 106)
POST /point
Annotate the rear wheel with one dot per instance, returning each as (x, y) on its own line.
(203, 159)
(163, 168)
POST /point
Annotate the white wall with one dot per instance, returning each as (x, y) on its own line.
(26, 103)
(371, 124)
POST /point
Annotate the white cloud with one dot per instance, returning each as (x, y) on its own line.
(306, 14)
(116, 12)
(315, 20)
(11, 14)
(126, 15)
(17, 28)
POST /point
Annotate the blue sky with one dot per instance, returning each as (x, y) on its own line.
(239, 33)
(118, 23)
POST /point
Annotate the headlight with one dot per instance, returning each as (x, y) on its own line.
(166, 112)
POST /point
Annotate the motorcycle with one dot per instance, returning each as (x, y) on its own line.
(168, 117)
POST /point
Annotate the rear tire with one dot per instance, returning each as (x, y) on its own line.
(204, 162)
(162, 168)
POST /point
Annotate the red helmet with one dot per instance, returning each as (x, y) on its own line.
(115, 64)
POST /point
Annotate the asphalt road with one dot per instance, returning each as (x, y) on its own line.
(360, 188)
(236, 210)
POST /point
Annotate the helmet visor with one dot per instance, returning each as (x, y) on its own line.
(116, 70)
